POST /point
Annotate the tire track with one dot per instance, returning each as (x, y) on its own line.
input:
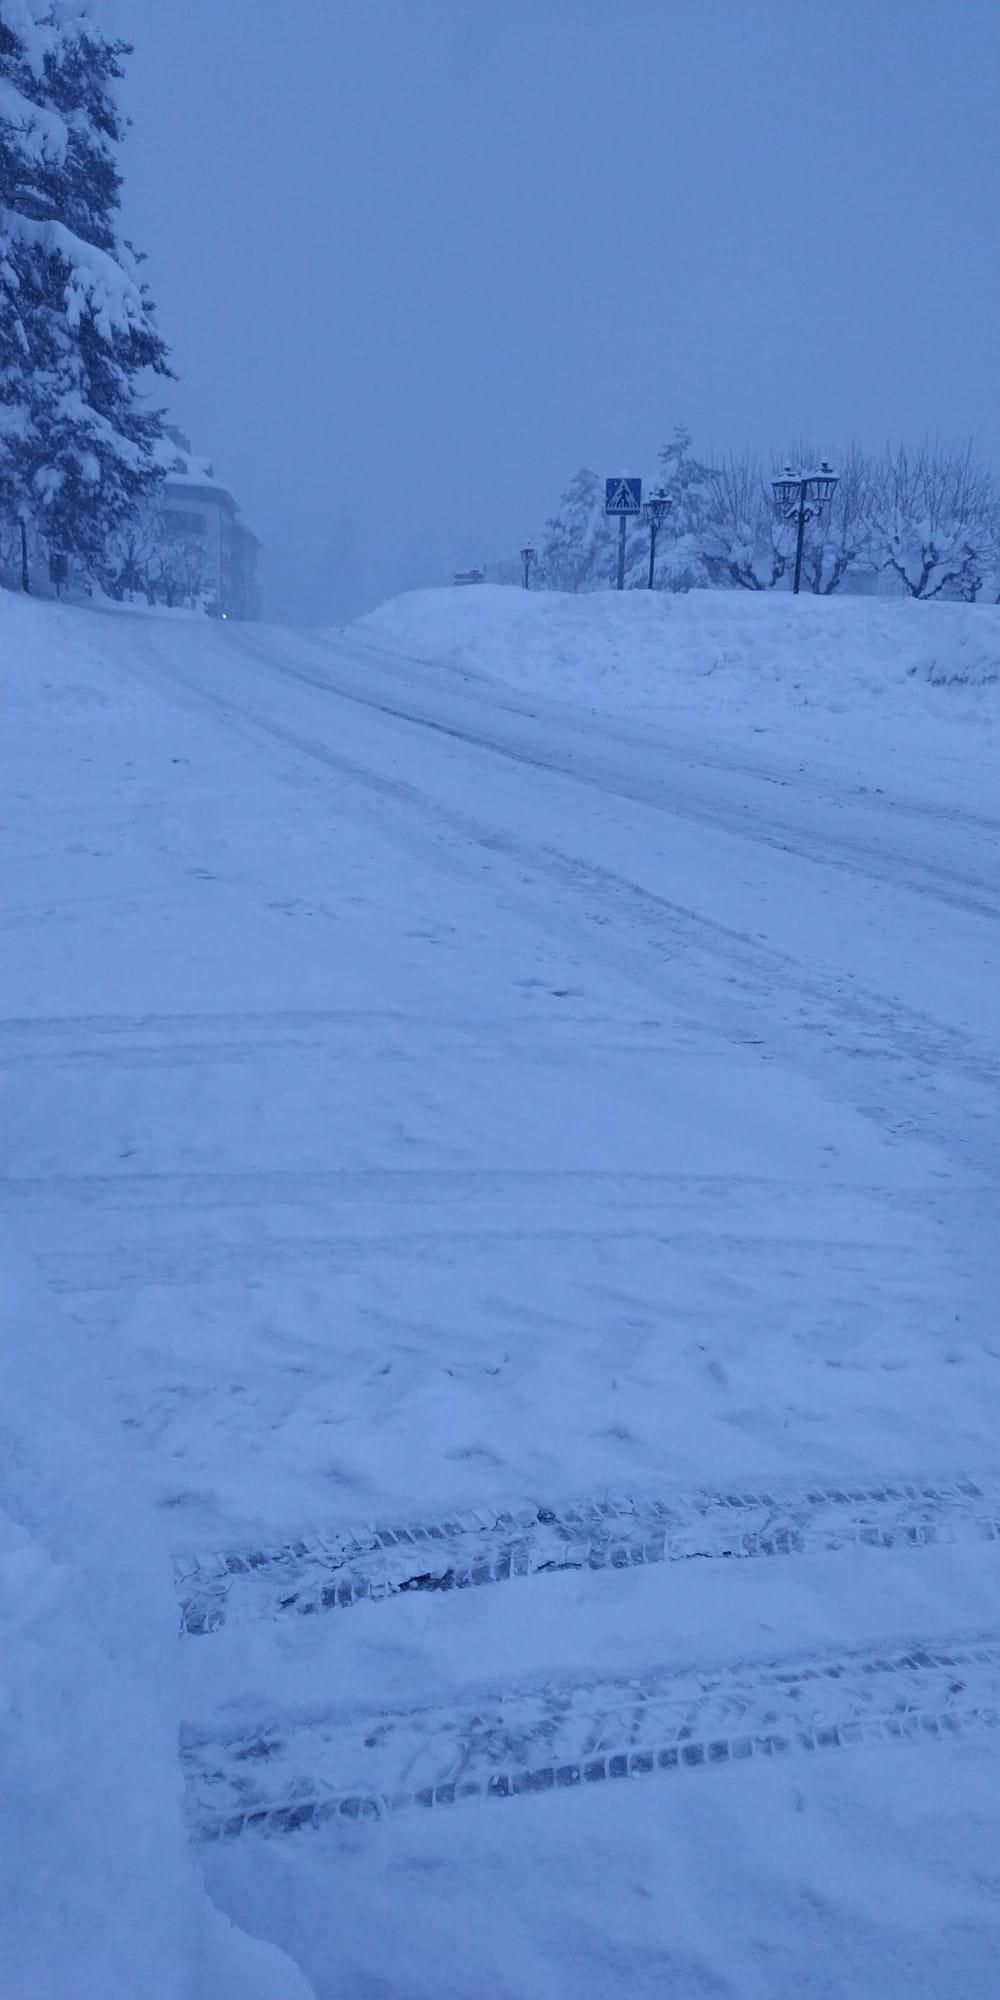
(309, 1771)
(880, 1028)
(461, 1187)
(506, 698)
(77, 1273)
(179, 1041)
(916, 874)
(318, 1572)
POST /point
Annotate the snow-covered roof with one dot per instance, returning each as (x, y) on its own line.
(182, 465)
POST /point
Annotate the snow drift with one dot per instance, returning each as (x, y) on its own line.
(844, 674)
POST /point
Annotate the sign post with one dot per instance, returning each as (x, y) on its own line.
(622, 497)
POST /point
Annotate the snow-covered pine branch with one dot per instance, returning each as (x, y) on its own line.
(687, 481)
(578, 550)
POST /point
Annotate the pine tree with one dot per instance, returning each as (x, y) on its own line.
(78, 445)
(573, 536)
(680, 564)
(30, 134)
(580, 550)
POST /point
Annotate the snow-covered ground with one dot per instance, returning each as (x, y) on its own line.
(875, 687)
(519, 1145)
(99, 1894)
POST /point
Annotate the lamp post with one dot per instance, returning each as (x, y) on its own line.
(527, 558)
(801, 497)
(656, 509)
(25, 574)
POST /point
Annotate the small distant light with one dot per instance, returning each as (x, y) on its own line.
(225, 614)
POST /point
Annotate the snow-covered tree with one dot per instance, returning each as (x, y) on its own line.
(840, 538)
(134, 558)
(183, 571)
(580, 548)
(931, 517)
(935, 520)
(680, 563)
(77, 439)
(742, 541)
(149, 556)
(130, 561)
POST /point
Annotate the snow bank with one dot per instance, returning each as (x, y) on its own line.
(846, 672)
(98, 1895)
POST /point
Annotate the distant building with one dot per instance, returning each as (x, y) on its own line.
(199, 512)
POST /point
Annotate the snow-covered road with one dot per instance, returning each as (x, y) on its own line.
(567, 1147)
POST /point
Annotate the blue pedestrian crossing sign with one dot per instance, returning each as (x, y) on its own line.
(623, 496)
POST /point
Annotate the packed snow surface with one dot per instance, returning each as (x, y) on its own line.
(505, 1112)
(99, 1895)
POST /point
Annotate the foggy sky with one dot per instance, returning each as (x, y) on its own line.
(418, 260)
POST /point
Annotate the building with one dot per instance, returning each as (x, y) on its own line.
(213, 544)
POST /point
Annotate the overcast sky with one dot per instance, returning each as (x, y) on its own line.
(418, 260)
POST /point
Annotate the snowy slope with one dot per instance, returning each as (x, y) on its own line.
(886, 688)
(529, 1174)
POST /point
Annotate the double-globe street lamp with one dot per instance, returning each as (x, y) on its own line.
(801, 497)
(656, 509)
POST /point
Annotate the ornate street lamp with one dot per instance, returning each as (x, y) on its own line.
(801, 497)
(656, 509)
(527, 558)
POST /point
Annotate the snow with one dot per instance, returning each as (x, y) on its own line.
(96, 284)
(183, 466)
(99, 1895)
(881, 685)
(452, 1072)
(41, 132)
(30, 21)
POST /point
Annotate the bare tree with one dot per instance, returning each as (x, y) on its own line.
(147, 557)
(840, 538)
(742, 540)
(130, 563)
(935, 520)
(182, 569)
